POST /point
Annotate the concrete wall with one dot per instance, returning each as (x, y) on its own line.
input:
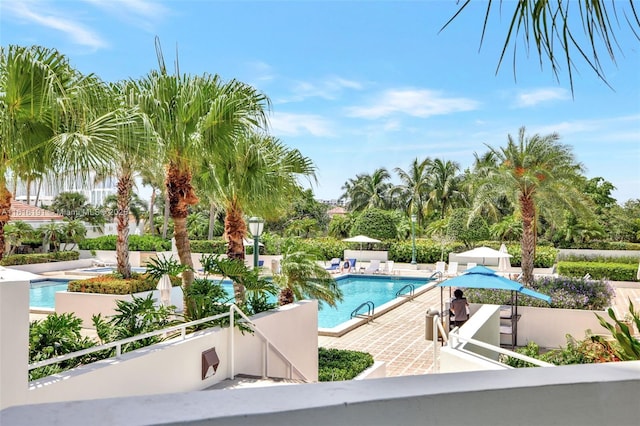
(586, 395)
(366, 255)
(39, 268)
(175, 365)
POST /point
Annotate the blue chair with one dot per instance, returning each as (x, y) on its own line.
(334, 265)
(353, 264)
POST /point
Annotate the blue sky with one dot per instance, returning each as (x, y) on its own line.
(358, 85)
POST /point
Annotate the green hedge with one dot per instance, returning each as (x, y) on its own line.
(337, 364)
(136, 243)
(215, 246)
(113, 284)
(631, 260)
(599, 270)
(27, 259)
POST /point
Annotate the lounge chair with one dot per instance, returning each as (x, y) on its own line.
(388, 267)
(103, 263)
(374, 267)
(471, 265)
(452, 270)
(440, 267)
(334, 264)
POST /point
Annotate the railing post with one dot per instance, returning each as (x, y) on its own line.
(118, 350)
(231, 352)
(265, 358)
(436, 333)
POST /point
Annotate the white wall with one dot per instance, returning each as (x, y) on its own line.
(175, 366)
(586, 395)
(366, 255)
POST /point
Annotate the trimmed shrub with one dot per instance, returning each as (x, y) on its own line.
(336, 364)
(136, 243)
(114, 284)
(27, 259)
(375, 223)
(215, 246)
(565, 292)
(632, 260)
(599, 270)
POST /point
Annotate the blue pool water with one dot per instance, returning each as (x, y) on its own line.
(42, 293)
(356, 289)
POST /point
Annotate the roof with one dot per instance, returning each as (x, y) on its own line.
(336, 210)
(27, 213)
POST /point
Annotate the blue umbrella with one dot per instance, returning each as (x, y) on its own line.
(483, 277)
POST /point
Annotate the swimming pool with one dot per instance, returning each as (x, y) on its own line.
(356, 290)
(42, 293)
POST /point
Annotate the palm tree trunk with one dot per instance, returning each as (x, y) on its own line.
(167, 212)
(125, 183)
(38, 192)
(212, 220)
(5, 214)
(152, 227)
(285, 297)
(527, 208)
(234, 230)
(181, 195)
(28, 190)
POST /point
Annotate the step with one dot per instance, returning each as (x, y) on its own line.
(243, 381)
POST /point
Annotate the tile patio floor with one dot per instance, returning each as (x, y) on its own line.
(397, 337)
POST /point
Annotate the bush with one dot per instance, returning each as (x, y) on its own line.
(375, 223)
(114, 284)
(336, 364)
(136, 243)
(27, 259)
(215, 246)
(565, 292)
(631, 260)
(599, 270)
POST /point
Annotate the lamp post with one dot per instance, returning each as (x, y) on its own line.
(414, 218)
(256, 225)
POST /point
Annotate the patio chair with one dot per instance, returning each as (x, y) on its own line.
(471, 265)
(334, 265)
(452, 270)
(388, 267)
(352, 262)
(374, 267)
(440, 267)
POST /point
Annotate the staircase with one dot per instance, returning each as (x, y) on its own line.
(243, 381)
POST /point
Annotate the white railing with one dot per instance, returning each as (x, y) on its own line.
(455, 338)
(182, 328)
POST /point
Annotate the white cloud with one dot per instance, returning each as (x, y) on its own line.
(538, 96)
(329, 88)
(291, 124)
(38, 13)
(414, 102)
(141, 13)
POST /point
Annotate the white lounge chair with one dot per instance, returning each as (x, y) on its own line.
(471, 265)
(452, 270)
(388, 267)
(440, 267)
(374, 266)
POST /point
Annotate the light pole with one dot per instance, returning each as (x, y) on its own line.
(414, 218)
(256, 225)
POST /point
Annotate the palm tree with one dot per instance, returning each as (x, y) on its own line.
(192, 116)
(73, 231)
(368, 191)
(16, 233)
(415, 187)
(47, 120)
(445, 185)
(254, 174)
(302, 277)
(50, 233)
(533, 172)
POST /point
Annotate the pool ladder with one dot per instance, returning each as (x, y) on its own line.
(370, 308)
(412, 289)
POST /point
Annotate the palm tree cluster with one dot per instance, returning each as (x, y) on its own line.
(533, 178)
(206, 137)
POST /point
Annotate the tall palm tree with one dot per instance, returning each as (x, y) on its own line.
(445, 182)
(415, 187)
(368, 191)
(533, 172)
(46, 119)
(192, 116)
(254, 174)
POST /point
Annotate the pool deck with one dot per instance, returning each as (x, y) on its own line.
(397, 337)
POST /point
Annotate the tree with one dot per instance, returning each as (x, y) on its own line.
(415, 187)
(72, 231)
(16, 232)
(51, 233)
(366, 191)
(553, 28)
(445, 184)
(302, 277)
(254, 174)
(193, 116)
(534, 173)
(47, 120)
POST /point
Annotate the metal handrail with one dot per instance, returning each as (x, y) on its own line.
(182, 328)
(438, 274)
(410, 286)
(370, 309)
